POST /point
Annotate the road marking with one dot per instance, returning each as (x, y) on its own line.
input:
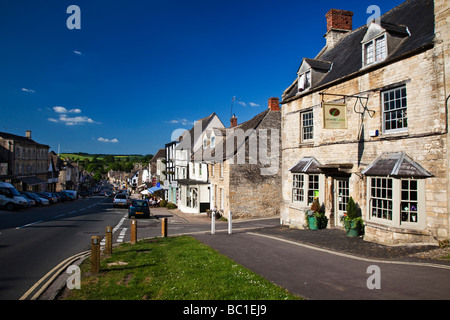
(30, 224)
(122, 235)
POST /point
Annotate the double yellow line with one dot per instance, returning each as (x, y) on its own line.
(55, 272)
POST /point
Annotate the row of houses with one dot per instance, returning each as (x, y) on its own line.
(366, 118)
(29, 166)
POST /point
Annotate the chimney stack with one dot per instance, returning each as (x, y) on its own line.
(339, 23)
(28, 134)
(233, 121)
(274, 104)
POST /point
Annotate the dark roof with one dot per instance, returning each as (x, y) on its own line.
(160, 154)
(185, 142)
(346, 56)
(269, 119)
(10, 136)
(306, 165)
(396, 164)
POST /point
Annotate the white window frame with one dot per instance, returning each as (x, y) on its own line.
(307, 83)
(397, 200)
(378, 53)
(303, 184)
(310, 135)
(399, 103)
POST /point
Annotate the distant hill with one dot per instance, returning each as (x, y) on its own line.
(119, 157)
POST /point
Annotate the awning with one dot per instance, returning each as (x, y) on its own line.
(145, 192)
(396, 164)
(154, 189)
(306, 165)
(32, 181)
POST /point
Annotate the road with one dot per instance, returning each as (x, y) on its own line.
(35, 240)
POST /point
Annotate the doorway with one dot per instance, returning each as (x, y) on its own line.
(341, 189)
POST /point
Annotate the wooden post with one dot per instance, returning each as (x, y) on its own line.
(108, 240)
(95, 254)
(164, 227)
(133, 231)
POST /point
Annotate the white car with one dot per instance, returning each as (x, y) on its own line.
(10, 198)
(120, 200)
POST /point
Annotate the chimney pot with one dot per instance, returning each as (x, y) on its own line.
(28, 134)
(233, 121)
(274, 104)
(339, 23)
(339, 19)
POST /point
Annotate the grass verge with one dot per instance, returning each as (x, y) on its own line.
(174, 268)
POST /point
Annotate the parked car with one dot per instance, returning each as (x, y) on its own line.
(39, 200)
(139, 208)
(56, 195)
(70, 195)
(120, 200)
(10, 198)
(72, 192)
(31, 200)
(64, 196)
(47, 196)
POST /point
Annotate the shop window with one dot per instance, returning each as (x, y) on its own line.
(305, 187)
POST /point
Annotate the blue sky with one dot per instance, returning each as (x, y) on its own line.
(137, 71)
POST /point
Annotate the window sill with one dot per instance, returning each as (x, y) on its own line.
(394, 134)
(306, 144)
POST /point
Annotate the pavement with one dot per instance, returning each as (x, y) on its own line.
(316, 264)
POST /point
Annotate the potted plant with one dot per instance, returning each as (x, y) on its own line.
(316, 219)
(353, 223)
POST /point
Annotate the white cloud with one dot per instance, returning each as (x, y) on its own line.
(252, 104)
(183, 122)
(28, 90)
(68, 120)
(108, 140)
(58, 109)
(78, 52)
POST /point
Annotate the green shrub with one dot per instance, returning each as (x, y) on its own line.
(163, 203)
(171, 205)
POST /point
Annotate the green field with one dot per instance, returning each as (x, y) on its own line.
(81, 157)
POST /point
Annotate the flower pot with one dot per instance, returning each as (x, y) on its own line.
(312, 222)
(352, 230)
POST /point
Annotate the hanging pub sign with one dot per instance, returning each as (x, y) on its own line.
(334, 115)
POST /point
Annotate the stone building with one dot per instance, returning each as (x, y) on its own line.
(193, 194)
(24, 162)
(368, 118)
(244, 164)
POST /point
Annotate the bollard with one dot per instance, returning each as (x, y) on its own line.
(95, 254)
(164, 228)
(108, 240)
(213, 222)
(229, 222)
(133, 231)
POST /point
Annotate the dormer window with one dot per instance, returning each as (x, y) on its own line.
(304, 81)
(379, 40)
(310, 73)
(375, 50)
(213, 142)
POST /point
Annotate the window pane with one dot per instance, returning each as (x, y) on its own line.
(395, 112)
